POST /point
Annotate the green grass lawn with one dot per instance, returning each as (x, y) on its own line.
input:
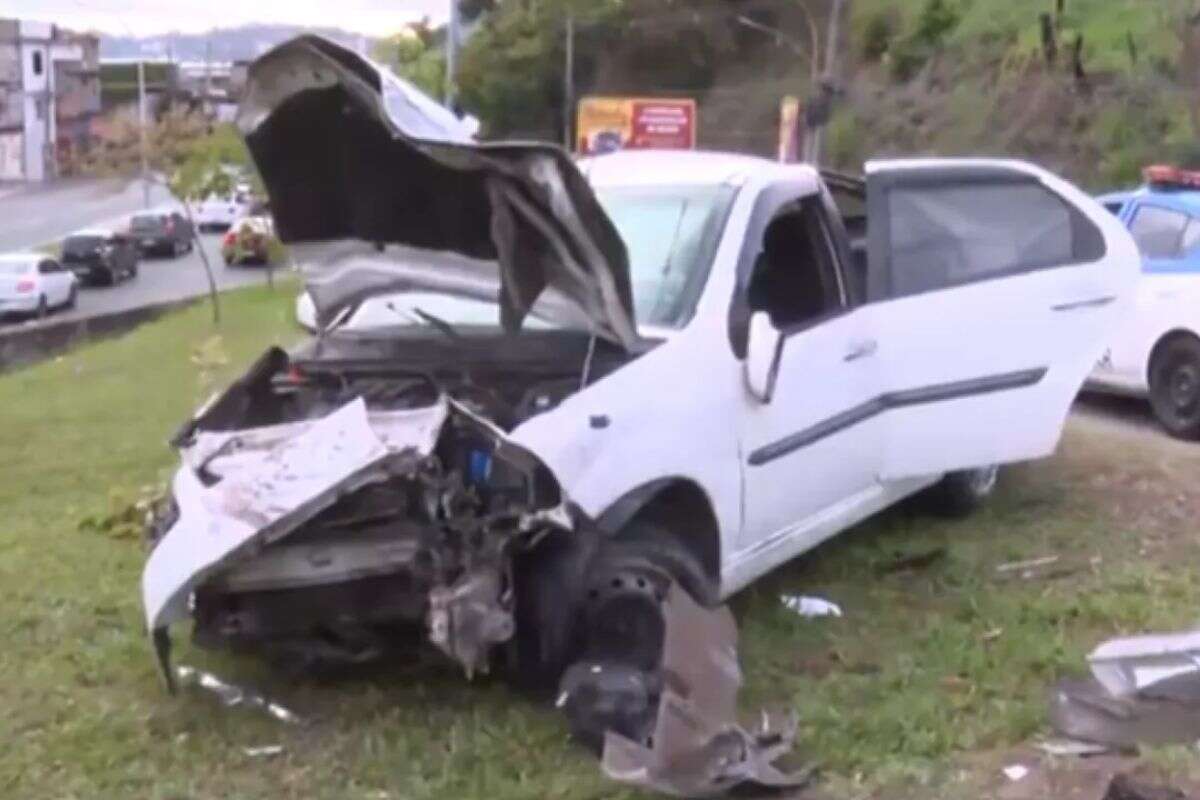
(929, 672)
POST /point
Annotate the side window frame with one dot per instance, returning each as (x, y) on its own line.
(1088, 244)
(770, 201)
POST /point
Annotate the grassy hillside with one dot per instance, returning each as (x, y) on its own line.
(971, 76)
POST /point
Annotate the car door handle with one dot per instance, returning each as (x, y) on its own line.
(1079, 305)
(861, 349)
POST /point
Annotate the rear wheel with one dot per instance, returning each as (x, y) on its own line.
(959, 494)
(72, 297)
(1175, 386)
(43, 308)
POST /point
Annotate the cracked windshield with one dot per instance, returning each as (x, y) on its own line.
(596, 399)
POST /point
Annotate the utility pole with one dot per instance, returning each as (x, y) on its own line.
(141, 80)
(207, 75)
(569, 85)
(814, 140)
(452, 55)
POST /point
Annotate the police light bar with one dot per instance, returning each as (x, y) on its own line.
(1166, 177)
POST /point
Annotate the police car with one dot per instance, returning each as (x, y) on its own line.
(1155, 353)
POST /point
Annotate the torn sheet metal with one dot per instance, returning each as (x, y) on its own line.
(231, 695)
(1127, 665)
(1164, 713)
(394, 167)
(697, 748)
(271, 485)
(270, 490)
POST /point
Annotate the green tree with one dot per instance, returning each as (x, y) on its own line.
(415, 54)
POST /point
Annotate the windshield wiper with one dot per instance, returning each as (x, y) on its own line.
(416, 314)
(437, 322)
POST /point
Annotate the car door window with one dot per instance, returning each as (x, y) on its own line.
(796, 278)
(1158, 231)
(942, 235)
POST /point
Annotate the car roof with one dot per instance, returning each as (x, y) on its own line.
(677, 167)
(92, 232)
(1185, 200)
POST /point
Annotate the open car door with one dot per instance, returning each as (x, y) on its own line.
(993, 286)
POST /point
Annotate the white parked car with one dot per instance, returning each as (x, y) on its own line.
(32, 284)
(645, 370)
(1155, 353)
(219, 213)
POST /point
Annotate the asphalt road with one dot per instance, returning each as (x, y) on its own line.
(35, 216)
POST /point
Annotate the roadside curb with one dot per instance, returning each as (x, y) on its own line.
(29, 344)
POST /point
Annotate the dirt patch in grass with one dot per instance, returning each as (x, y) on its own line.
(933, 670)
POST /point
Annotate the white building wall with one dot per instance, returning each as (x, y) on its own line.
(36, 72)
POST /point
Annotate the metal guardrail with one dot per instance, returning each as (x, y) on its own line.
(22, 345)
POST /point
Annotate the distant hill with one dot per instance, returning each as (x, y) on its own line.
(227, 44)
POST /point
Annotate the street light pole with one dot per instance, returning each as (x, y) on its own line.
(452, 54)
(569, 85)
(141, 80)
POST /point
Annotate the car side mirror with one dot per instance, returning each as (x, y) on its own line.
(762, 357)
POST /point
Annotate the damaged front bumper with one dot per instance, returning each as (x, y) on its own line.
(267, 517)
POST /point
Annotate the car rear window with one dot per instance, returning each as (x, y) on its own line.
(147, 222)
(81, 245)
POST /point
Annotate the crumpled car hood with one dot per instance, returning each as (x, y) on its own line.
(347, 151)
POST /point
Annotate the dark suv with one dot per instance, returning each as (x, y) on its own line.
(100, 257)
(161, 233)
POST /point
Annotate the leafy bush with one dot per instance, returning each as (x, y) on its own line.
(936, 20)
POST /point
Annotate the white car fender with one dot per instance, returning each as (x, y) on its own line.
(1164, 304)
(620, 434)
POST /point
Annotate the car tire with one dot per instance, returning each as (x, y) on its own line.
(72, 298)
(43, 308)
(615, 682)
(109, 278)
(133, 271)
(1175, 385)
(959, 494)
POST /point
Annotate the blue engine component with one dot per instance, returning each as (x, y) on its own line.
(479, 467)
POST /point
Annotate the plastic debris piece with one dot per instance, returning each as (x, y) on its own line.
(1015, 772)
(810, 606)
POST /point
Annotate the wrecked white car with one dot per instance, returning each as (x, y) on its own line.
(647, 375)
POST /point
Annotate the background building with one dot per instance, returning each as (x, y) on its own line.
(49, 96)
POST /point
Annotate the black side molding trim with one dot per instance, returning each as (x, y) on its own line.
(908, 397)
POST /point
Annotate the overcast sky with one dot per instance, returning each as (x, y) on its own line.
(143, 17)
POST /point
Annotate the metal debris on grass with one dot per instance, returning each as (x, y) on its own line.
(266, 751)
(1072, 747)
(1143, 690)
(231, 695)
(697, 749)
